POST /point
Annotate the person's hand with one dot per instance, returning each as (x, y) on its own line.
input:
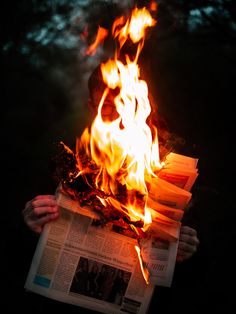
(188, 243)
(39, 211)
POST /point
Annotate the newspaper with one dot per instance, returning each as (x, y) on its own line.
(168, 194)
(80, 263)
(180, 170)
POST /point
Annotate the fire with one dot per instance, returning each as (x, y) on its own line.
(101, 35)
(125, 147)
(144, 269)
(135, 26)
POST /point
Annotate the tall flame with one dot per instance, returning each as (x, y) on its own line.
(124, 147)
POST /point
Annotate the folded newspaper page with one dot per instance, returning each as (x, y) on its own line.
(79, 263)
(180, 170)
(168, 194)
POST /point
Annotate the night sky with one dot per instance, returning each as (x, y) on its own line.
(189, 62)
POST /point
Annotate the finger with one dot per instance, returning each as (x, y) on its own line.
(192, 240)
(185, 247)
(34, 213)
(38, 225)
(46, 200)
(47, 218)
(188, 230)
(38, 201)
(45, 210)
(49, 197)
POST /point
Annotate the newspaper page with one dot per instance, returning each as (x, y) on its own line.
(170, 212)
(168, 194)
(159, 255)
(79, 263)
(180, 170)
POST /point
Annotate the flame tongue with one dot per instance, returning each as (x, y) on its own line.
(123, 146)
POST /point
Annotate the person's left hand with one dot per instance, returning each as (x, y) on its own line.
(188, 243)
(39, 211)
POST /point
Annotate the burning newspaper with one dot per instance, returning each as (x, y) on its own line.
(121, 204)
(76, 252)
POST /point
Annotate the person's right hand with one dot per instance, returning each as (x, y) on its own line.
(39, 211)
(188, 243)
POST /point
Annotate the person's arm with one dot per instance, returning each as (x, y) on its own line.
(188, 243)
(39, 211)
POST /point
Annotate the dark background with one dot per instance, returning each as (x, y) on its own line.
(189, 61)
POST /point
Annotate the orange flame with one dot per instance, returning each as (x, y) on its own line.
(135, 26)
(153, 6)
(124, 147)
(101, 35)
(144, 269)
